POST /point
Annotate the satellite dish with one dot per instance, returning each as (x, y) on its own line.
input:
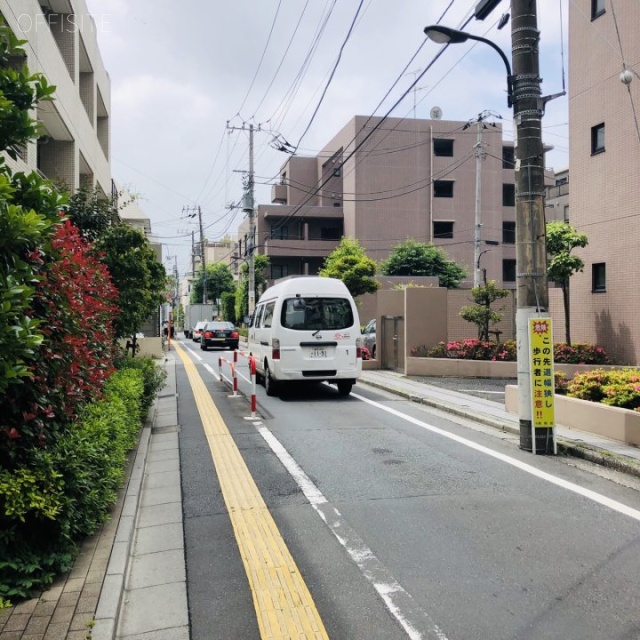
(435, 113)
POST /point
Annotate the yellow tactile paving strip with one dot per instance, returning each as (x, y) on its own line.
(284, 607)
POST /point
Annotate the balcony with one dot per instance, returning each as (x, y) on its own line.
(293, 248)
(270, 212)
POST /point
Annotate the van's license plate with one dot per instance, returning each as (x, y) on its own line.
(318, 353)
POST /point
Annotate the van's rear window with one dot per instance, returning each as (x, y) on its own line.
(304, 314)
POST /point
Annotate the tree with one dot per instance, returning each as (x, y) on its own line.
(562, 238)
(261, 266)
(91, 212)
(349, 263)
(29, 209)
(138, 276)
(412, 258)
(219, 281)
(481, 314)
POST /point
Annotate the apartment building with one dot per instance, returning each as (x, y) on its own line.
(385, 181)
(557, 197)
(61, 43)
(604, 128)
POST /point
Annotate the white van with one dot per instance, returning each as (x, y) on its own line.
(306, 328)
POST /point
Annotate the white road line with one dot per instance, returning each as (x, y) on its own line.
(417, 624)
(523, 466)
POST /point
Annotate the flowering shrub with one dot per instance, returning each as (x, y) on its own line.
(471, 349)
(579, 353)
(617, 387)
(365, 353)
(73, 302)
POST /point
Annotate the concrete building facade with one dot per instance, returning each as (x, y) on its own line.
(384, 182)
(605, 164)
(61, 43)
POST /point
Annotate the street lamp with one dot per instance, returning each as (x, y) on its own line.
(446, 35)
(524, 95)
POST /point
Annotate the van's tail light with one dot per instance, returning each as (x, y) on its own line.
(275, 349)
(358, 347)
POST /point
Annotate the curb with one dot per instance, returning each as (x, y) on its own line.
(107, 613)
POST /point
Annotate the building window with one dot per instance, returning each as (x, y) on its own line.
(443, 189)
(442, 147)
(336, 172)
(508, 195)
(509, 270)
(442, 230)
(599, 277)
(508, 232)
(597, 139)
(279, 271)
(280, 233)
(508, 157)
(597, 8)
(565, 213)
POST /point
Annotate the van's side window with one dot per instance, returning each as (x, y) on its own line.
(255, 320)
(267, 319)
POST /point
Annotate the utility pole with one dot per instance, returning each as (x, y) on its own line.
(531, 259)
(198, 211)
(249, 208)
(480, 156)
(204, 258)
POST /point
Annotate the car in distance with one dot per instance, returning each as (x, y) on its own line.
(369, 337)
(197, 330)
(219, 334)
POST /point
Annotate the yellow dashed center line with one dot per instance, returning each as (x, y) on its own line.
(284, 607)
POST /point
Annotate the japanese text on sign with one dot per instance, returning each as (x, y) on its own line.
(541, 366)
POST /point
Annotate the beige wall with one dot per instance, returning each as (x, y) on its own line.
(605, 190)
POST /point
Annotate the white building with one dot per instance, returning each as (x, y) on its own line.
(61, 36)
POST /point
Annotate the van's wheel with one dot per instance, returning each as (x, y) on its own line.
(344, 387)
(270, 385)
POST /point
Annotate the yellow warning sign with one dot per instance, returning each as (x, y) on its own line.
(541, 367)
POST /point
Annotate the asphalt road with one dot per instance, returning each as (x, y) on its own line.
(406, 524)
(485, 388)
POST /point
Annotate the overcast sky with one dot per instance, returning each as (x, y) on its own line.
(178, 76)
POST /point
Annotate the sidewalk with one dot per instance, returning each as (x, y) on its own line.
(129, 581)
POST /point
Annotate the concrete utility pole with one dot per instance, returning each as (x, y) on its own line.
(480, 154)
(248, 207)
(202, 248)
(250, 210)
(531, 259)
(203, 255)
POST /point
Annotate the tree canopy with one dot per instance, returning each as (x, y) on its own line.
(412, 258)
(562, 239)
(136, 273)
(219, 281)
(349, 263)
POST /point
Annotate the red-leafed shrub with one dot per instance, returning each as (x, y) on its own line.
(74, 305)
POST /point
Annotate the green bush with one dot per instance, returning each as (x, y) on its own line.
(153, 378)
(616, 387)
(65, 491)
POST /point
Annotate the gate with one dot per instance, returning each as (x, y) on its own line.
(392, 342)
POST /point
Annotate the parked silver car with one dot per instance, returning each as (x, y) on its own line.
(369, 337)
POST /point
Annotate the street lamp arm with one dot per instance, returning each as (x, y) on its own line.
(446, 35)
